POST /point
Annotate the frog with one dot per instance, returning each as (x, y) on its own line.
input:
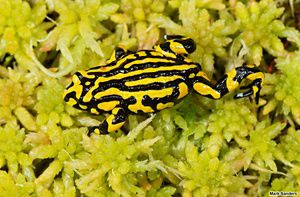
(148, 81)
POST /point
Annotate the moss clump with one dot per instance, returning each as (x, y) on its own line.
(285, 88)
(205, 175)
(211, 36)
(200, 147)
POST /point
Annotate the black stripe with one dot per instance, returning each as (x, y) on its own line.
(119, 52)
(177, 62)
(70, 95)
(94, 102)
(152, 102)
(221, 86)
(103, 127)
(166, 47)
(150, 64)
(99, 67)
(120, 83)
(139, 66)
(171, 37)
(153, 86)
(243, 71)
(188, 44)
(119, 117)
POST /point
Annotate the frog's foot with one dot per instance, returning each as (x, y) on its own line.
(97, 129)
(230, 82)
(254, 89)
(112, 123)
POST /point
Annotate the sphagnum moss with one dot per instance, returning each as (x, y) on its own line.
(200, 147)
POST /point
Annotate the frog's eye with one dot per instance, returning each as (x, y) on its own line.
(119, 52)
(188, 44)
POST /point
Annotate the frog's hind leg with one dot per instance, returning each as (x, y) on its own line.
(230, 82)
(112, 123)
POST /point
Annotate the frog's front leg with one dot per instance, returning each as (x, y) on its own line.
(230, 82)
(112, 123)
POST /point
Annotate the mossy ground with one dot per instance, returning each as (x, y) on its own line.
(200, 147)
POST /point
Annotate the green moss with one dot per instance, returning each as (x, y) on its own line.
(205, 175)
(200, 147)
(285, 88)
(233, 118)
(18, 30)
(211, 36)
(15, 187)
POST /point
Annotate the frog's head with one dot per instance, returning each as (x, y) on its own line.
(180, 44)
(74, 90)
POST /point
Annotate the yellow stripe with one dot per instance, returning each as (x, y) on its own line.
(192, 75)
(77, 88)
(97, 131)
(125, 94)
(89, 96)
(230, 83)
(94, 111)
(152, 94)
(168, 54)
(148, 60)
(115, 111)
(139, 106)
(106, 68)
(204, 89)
(102, 69)
(142, 54)
(258, 75)
(202, 74)
(177, 48)
(186, 59)
(113, 127)
(108, 106)
(148, 70)
(161, 106)
(72, 102)
(83, 106)
(121, 61)
(112, 57)
(138, 96)
(255, 90)
(183, 90)
(152, 80)
(85, 74)
(155, 53)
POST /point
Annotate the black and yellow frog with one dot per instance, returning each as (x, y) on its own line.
(148, 81)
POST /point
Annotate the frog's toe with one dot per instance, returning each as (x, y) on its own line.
(97, 130)
(243, 94)
(254, 88)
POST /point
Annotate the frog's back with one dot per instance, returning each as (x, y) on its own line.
(145, 81)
